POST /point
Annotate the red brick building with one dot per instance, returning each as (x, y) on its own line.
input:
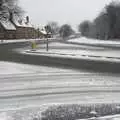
(17, 28)
(24, 29)
(7, 29)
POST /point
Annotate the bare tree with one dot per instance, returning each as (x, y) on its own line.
(84, 27)
(54, 27)
(106, 25)
(65, 31)
(102, 26)
(10, 6)
(113, 13)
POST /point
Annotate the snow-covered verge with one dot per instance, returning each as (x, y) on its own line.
(73, 51)
(22, 40)
(82, 112)
(14, 41)
(58, 111)
(84, 40)
(9, 68)
(78, 54)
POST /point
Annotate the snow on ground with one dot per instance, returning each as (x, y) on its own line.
(35, 114)
(4, 116)
(74, 56)
(19, 40)
(76, 52)
(67, 46)
(84, 40)
(15, 68)
(22, 40)
(14, 41)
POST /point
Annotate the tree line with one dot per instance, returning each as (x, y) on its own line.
(64, 31)
(8, 7)
(106, 25)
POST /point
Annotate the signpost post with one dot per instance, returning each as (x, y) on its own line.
(47, 47)
(48, 33)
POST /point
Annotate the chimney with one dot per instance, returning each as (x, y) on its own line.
(11, 16)
(27, 20)
(2, 2)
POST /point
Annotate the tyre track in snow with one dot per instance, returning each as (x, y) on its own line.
(39, 85)
(37, 89)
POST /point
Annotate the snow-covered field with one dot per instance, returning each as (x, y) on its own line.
(84, 40)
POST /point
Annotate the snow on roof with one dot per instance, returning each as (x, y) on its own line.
(7, 24)
(20, 22)
(93, 112)
(43, 32)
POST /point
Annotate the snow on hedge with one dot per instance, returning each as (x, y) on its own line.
(84, 40)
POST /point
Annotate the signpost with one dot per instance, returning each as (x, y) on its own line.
(47, 47)
(48, 33)
(33, 45)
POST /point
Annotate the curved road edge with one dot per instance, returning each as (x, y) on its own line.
(8, 53)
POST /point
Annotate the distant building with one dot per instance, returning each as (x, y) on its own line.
(17, 28)
(44, 34)
(24, 29)
(7, 29)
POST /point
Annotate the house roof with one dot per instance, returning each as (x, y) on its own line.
(7, 24)
(43, 32)
(20, 22)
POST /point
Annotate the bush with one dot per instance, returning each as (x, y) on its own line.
(72, 112)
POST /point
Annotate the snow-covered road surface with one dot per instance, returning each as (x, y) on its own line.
(57, 86)
(11, 68)
(26, 90)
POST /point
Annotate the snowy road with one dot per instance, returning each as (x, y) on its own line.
(46, 85)
(83, 57)
(94, 58)
(70, 87)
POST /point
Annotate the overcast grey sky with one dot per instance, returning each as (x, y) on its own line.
(62, 11)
